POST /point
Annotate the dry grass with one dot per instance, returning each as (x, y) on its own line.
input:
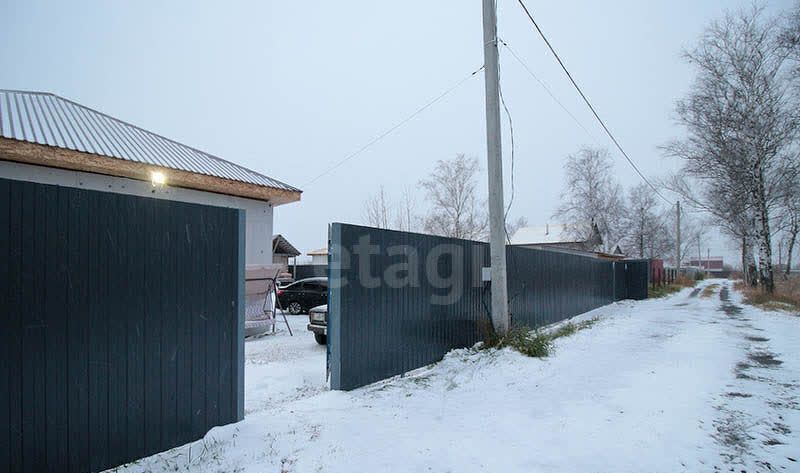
(529, 342)
(785, 297)
(533, 343)
(570, 328)
(709, 290)
(685, 281)
(680, 282)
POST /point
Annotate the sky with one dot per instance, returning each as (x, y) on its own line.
(289, 89)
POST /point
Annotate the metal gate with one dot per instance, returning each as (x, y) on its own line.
(121, 326)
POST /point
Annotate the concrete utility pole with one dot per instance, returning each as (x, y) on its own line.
(678, 239)
(497, 226)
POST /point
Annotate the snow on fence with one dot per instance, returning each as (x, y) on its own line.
(399, 301)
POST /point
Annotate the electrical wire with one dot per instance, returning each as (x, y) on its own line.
(513, 151)
(588, 103)
(393, 128)
(546, 88)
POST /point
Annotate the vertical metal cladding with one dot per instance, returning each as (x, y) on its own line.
(120, 326)
(399, 301)
(547, 286)
(637, 274)
(420, 297)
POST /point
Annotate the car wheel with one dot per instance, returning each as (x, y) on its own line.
(295, 308)
(321, 338)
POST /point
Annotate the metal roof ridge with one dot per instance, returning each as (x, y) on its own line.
(123, 122)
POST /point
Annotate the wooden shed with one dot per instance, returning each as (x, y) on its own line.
(122, 260)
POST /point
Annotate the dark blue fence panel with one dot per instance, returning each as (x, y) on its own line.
(303, 271)
(546, 286)
(399, 301)
(620, 286)
(637, 273)
(120, 326)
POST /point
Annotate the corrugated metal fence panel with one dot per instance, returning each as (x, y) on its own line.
(379, 327)
(637, 273)
(394, 317)
(545, 287)
(120, 326)
(620, 281)
(303, 271)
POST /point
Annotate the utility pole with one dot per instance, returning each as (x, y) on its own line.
(641, 232)
(678, 239)
(497, 226)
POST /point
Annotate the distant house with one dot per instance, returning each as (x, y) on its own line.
(555, 235)
(282, 250)
(712, 264)
(319, 257)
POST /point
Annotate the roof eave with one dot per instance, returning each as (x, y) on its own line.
(50, 156)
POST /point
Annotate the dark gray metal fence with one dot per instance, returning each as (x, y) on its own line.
(637, 278)
(303, 271)
(546, 286)
(120, 329)
(420, 296)
(379, 329)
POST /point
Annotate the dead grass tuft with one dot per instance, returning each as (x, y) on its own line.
(785, 297)
(529, 342)
(680, 282)
(533, 343)
(708, 291)
(570, 328)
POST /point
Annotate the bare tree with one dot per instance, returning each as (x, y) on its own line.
(739, 129)
(729, 209)
(406, 218)
(646, 227)
(790, 219)
(454, 208)
(592, 196)
(377, 210)
(790, 41)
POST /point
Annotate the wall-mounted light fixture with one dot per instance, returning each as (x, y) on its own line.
(158, 178)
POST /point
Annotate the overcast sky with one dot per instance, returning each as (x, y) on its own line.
(290, 88)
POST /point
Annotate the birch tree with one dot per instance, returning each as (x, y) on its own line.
(450, 191)
(646, 229)
(592, 195)
(739, 128)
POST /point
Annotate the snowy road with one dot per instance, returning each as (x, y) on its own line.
(685, 383)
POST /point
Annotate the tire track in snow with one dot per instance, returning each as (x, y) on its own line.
(751, 413)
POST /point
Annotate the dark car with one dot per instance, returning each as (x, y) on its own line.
(304, 294)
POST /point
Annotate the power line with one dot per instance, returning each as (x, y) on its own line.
(393, 128)
(546, 88)
(588, 103)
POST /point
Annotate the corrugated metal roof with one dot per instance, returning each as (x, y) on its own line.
(47, 119)
(281, 246)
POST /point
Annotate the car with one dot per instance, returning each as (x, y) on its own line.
(318, 323)
(299, 296)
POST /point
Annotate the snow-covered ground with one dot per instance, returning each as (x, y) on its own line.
(684, 383)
